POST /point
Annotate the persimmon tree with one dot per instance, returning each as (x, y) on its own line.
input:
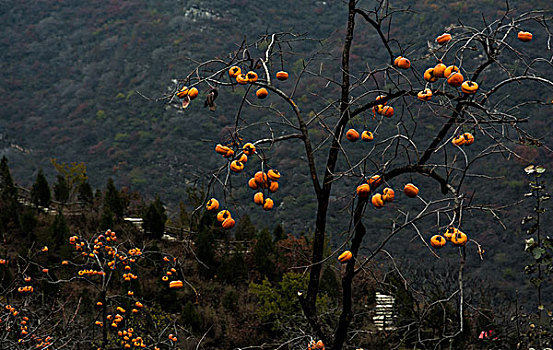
(460, 88)
(443, 88)
(97, 297)
(61, 289)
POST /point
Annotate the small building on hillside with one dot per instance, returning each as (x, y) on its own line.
(384, 315)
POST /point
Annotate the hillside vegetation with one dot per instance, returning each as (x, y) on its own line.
(86, 81)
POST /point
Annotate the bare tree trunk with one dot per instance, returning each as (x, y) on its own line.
(309, 304)
(346, 315)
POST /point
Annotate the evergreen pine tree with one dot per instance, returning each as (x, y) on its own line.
(154, 218)
(61, 189)
(263, 254)
(85, 194)
(40, 192)
(245, 230)
(205, 245)
(112, 199)
(8, 198)
(7, 188)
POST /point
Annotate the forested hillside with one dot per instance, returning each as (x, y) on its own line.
(71, 72)
(94, 82)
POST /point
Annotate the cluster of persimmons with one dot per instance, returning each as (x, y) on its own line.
(239, 156)
(455, 79)
(261, 181)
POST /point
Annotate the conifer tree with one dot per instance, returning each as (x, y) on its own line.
(263, 254)
(245, 230)
(8, 192)
(112, 199)
(154, 218)
(85, 194)
(61, 189)
(205, 244)
(40, 192)
(8, 198)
